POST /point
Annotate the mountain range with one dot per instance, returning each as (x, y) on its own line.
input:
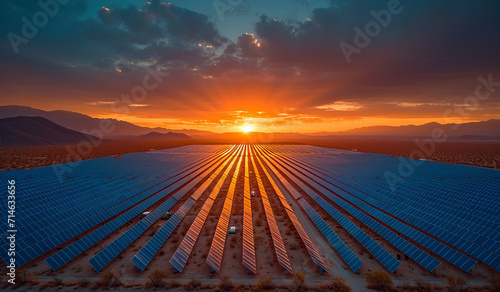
(484, 130)
(32, 131)
(84, 123)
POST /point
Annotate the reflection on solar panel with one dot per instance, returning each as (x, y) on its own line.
(279, 246)
(183, 252)
(450, 211)
(417, 254)
(446, 252)
(385, 258)
(249, 260)
(345, 252)
(214, 258)
(146, 254)
(311, 248)
(73, 250)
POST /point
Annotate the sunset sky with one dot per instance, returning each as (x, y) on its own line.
(269, 65)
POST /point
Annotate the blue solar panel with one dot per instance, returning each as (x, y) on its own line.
(351, 259)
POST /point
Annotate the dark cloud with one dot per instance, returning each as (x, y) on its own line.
(430, 51)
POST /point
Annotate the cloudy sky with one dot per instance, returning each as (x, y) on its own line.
(283, 65)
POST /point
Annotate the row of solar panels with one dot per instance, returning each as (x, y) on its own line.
(278, 183)
(460, 238)
(385, 258)
(138, 204)
(146, 254)
(181, 255)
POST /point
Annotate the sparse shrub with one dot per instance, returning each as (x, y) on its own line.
(108, 279)
(294, 246)
(156, 278)
(83, 282)
(455, 283)
(23, 277)
(379, 280)
(258, 222)
(239, 288)
(338, 285)
(265, 283)
(423, 286)
(299, 279)
(57, 282)
(225, 284)
(406, 286)
(193, 284)
(174, 284)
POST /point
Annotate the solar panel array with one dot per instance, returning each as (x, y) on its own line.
(409, 249)
(145, 200)
(249, 260)
(146, 254)
(278, 179)
(279, 246)
(214, 259)
(183, 252)
(450, 204)
(384, 257)
(445, 211)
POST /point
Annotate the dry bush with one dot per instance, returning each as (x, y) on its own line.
(225, 284)
(379, 280)
(156, 278)
(299, 279)
(174, 284)
(422, 286)
(294, 246)
(265, 283)
(494, 281)
(193, 284)
(23, 277)
(83, 283)
(338, 285)
(239, 288)
(56, 282)
(455, 283)
(109, 279)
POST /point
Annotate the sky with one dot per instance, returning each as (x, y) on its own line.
(271, 66)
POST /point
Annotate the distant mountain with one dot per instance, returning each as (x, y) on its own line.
(31, 131)
(83, 123)
(485, 128)
(164, 136)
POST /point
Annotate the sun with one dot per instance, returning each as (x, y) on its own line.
(246, 128)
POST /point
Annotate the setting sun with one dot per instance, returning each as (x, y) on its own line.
(246, 128)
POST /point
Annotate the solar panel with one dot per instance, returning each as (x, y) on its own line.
(384, 257)
(278, 179)
(351, 259)
(146, 254)
(249, 260)
(279, 246)
(183, 252)
(214, 258)
(73, 250)
(417, 254)
(446, 252)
